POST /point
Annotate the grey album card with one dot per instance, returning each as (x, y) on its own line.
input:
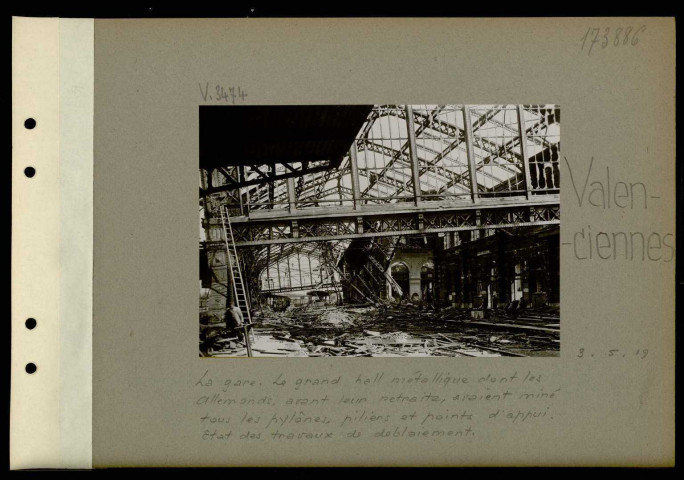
(348, 242)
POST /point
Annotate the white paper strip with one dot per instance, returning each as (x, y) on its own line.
(76, 177)
(52, 83)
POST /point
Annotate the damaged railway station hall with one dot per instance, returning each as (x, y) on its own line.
(379, 230)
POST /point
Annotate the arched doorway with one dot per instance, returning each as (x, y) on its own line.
(400, 273)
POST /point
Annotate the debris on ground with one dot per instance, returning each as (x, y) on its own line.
(399, 331)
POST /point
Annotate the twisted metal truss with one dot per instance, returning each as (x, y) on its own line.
(411, 170)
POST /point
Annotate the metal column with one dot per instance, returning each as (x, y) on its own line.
(523, 150)
(413, 153)
(470, 152)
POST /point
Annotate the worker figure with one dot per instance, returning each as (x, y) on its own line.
(235, 321)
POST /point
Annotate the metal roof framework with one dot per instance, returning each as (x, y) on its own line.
(422, 156)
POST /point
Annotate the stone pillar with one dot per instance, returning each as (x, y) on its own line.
(218, 296)
(220, 293)
(414, 284)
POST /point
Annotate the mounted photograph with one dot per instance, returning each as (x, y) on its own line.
(379, 231)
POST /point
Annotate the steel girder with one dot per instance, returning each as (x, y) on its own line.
(399, 220)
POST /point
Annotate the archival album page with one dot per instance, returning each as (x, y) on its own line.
(343, 242)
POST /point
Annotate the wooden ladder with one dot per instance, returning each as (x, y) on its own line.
(240, 293)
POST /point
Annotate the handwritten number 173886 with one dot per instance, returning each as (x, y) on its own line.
(605, 37)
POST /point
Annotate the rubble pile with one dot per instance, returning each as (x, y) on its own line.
(401, 331)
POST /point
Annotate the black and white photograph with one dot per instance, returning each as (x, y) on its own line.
(379, 230)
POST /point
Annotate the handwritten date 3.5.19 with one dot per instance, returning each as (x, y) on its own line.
(640, 353)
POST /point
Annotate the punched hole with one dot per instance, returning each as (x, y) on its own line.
(31, 323)
(30, 123)
(29, 172)
(31, 368)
